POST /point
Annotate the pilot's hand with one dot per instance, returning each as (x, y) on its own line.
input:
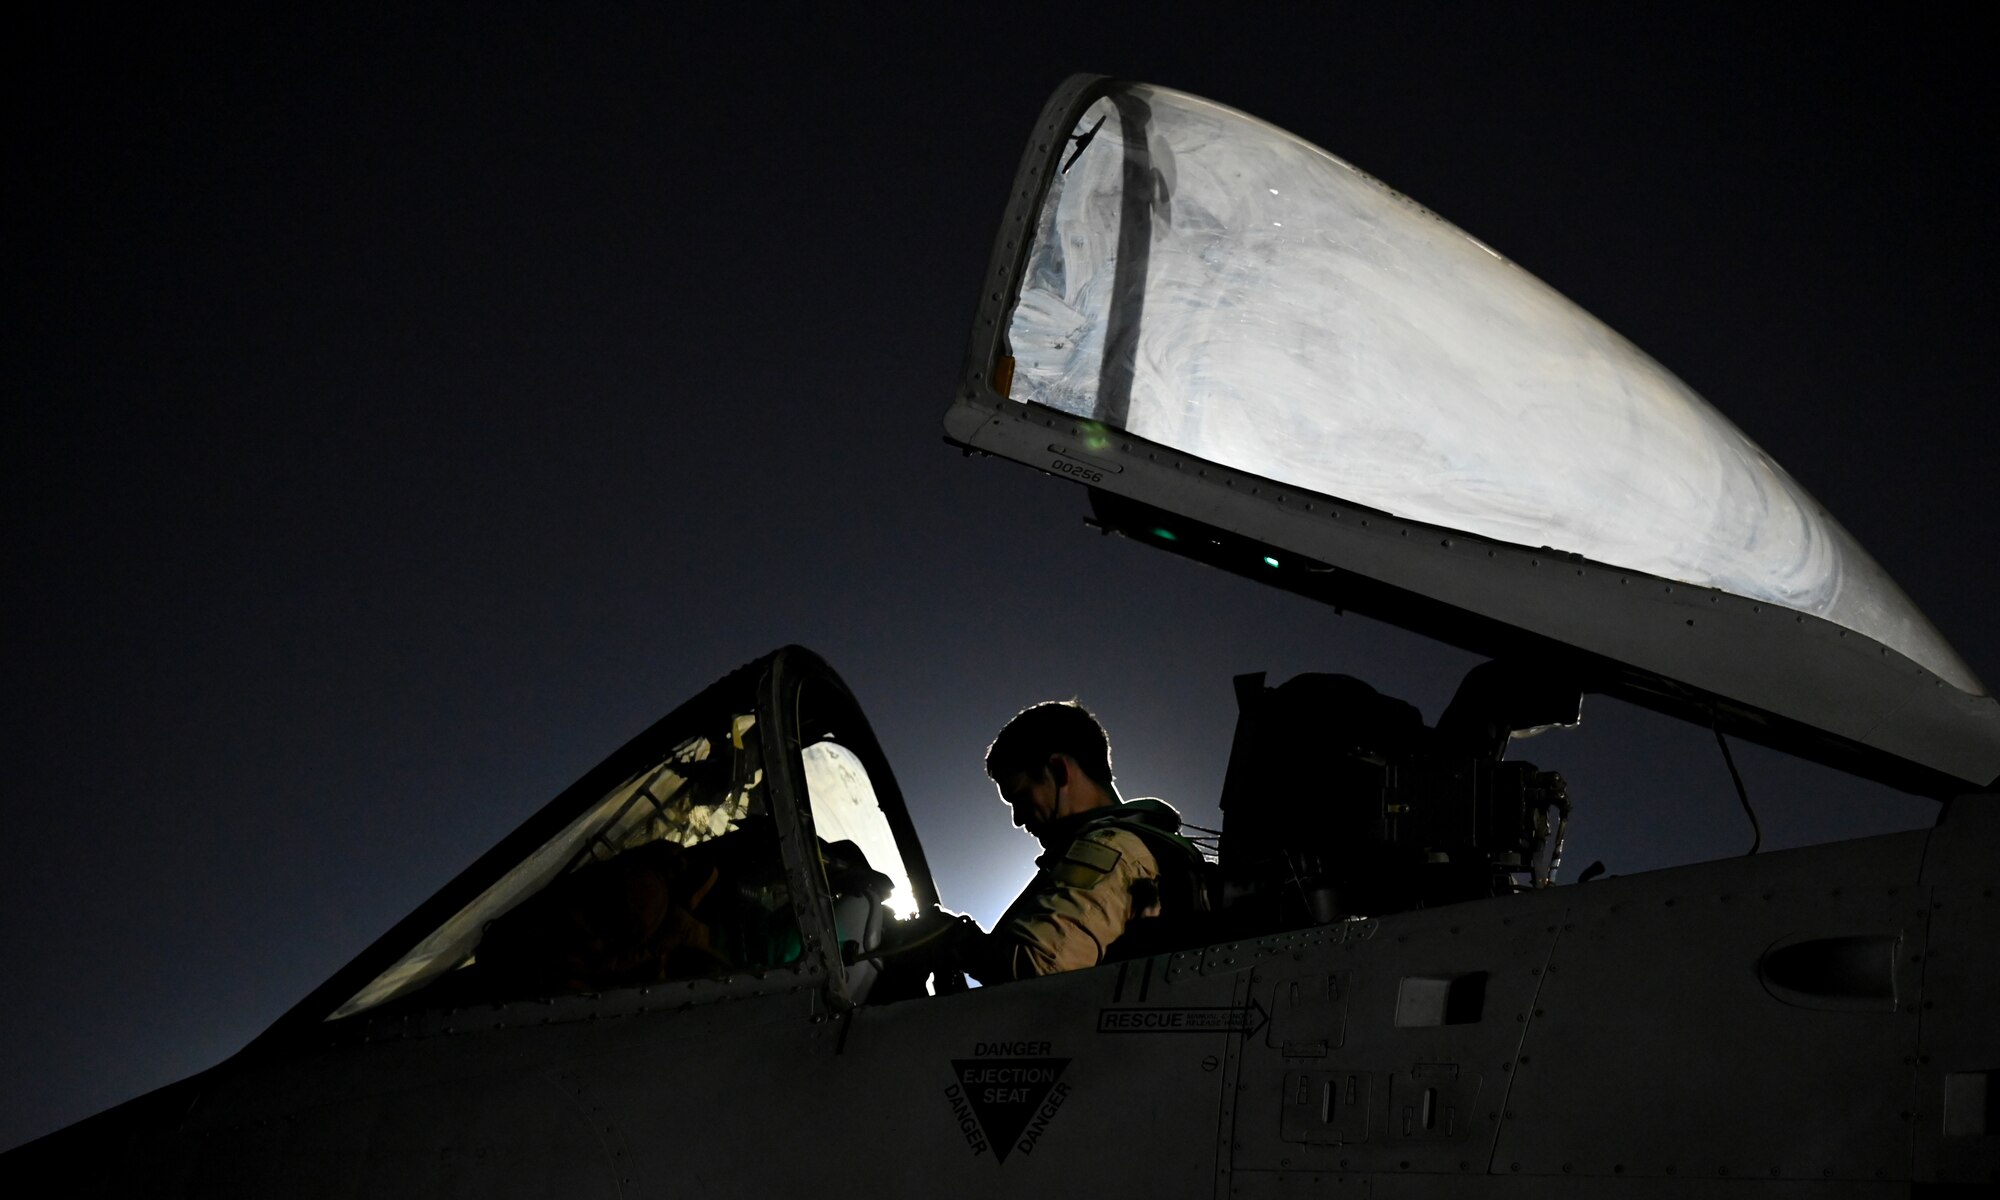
(958, 935)
(929, 942)
(933, 930)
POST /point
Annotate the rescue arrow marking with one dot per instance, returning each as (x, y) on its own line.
(1227, 1019)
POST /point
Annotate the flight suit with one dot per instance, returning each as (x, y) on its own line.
(1096, 880)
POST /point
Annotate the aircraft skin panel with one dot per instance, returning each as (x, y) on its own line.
(504, 1107)
(1800, 624)
(996, 1092)
(1957, 1101)
(503, 1134)
(1514, 1187)
(1680, 1016)
(1366, 1068)
(1660, 1035)
(637, 1106)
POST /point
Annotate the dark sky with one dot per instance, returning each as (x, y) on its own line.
(403, 411)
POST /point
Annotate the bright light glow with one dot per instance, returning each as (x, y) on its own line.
(844, 808)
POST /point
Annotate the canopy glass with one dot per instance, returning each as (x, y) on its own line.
(1209, 282)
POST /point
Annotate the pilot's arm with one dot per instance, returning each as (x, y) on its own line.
(1076, 907)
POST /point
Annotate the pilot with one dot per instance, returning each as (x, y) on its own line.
(1116, 880)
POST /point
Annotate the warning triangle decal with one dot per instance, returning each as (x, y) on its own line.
(1005, 1092)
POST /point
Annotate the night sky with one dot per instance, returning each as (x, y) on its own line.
(404, 411)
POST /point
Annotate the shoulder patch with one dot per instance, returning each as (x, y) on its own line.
(1085, 862)
(1092, 853)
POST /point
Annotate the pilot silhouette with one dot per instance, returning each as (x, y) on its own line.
(1115, 877)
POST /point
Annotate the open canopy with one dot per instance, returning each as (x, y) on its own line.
(1224, 321)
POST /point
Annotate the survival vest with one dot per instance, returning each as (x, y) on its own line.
(1189, 882)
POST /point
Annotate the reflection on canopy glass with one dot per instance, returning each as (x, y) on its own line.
(1209, 282)
(674, 873)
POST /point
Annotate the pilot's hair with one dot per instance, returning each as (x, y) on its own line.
(1053, 727)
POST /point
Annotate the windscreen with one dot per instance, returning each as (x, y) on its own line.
(704, 805)
(1211, 283)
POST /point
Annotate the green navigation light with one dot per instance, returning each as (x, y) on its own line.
(1269, 561)
(1165, 535)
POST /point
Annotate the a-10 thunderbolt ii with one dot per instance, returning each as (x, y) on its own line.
(712, 967)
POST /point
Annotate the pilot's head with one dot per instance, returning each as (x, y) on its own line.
(1051, 761)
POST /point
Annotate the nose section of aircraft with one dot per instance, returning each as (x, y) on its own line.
(113, 1152)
